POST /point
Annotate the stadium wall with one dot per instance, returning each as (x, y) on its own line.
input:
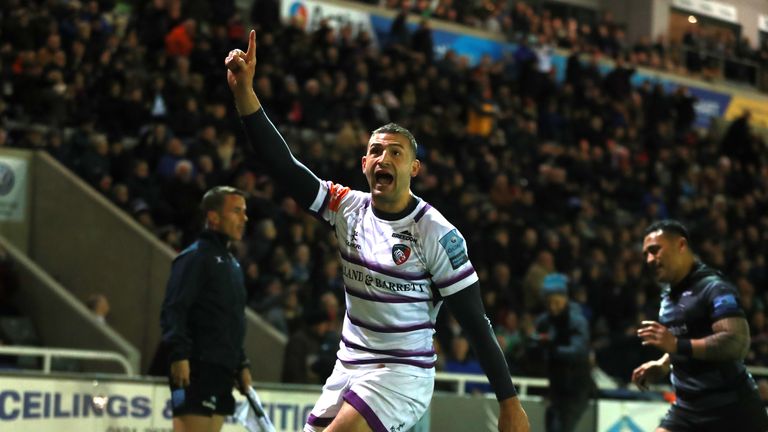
(42, 298)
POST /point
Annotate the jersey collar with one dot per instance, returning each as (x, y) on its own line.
(412, 204)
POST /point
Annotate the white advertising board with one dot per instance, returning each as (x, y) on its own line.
(629, 416)
(56, 405)
(311, 13)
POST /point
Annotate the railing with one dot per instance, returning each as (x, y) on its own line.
(712, 64)
(522, 383)
(49, 353)
(758, 371)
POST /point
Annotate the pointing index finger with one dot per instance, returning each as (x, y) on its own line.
(251, 54)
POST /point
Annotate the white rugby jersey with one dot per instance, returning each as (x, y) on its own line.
(393, 272)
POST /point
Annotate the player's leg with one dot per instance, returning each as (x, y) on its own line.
(388, 398)
(192, 423)
(191, 405)
(217, 421)
(348, 420)
(202, 405)
(329, 404)
(225, 402)
(748, 415)
(679, 419)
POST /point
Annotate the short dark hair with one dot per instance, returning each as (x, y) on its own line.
(395, 128)
(213, 200)
(668, 226)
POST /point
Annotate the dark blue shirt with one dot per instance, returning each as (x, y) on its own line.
(689, 309)
(203, 315)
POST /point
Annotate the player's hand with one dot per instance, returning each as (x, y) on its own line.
(655, 334)
(647, 373)
(244, 381)
(241, 66)
(512, 416)
(180, 373)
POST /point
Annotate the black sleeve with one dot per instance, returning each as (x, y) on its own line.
(467, 307)
(187, 278)
(270, 146)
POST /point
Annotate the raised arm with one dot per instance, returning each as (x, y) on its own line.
(263, 137)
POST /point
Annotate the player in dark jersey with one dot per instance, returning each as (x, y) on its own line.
(705, 337)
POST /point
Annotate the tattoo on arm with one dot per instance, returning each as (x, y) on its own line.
(730, 341)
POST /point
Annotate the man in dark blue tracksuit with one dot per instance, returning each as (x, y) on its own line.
(203, 318)
(705, 337)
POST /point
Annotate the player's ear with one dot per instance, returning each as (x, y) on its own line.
(362, 163)
(415, 167)
(213, 218)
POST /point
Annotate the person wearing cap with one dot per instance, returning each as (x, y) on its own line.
(704, 334)
(562, 335)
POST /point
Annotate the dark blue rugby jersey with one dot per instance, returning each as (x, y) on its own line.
(689, 310)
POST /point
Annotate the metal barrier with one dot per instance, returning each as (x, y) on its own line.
(522, 383)
(49, 353)
(727, 67)
(758, 371)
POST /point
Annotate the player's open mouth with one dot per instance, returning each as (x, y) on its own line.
(384, 178)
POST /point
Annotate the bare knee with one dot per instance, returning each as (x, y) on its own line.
(348, 420)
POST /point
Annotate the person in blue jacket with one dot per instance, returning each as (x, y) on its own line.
(562, 333)
(203, 318)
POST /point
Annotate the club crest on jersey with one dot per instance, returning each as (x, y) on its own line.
(400, 253)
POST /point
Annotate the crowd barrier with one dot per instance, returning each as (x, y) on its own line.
(100, 403)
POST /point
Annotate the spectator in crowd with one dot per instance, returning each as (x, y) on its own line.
(460, 360)
(311, 350)
(562, 336)
(98, 304)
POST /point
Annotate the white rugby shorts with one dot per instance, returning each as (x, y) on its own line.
(388, 396)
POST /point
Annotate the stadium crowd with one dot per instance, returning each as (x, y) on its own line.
(704, 52)
(542, 177)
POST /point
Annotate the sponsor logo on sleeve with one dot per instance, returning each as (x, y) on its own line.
(725, 303)
(453, 245)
